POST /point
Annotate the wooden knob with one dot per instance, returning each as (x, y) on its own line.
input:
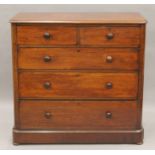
(47, 58)
(109, 85)
(47, 35)
(48, 115)
(110, 36)
(109, 59)
(108, 115)
(47, 85)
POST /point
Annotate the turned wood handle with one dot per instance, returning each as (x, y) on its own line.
(48, 115)
(47, 58)
(47, 35)
(47, 85)
(110, 36)
(109, 59)
(109, 85)
(108, 115)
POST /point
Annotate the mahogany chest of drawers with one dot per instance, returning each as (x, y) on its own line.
(78, 77)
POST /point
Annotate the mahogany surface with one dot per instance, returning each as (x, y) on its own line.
(78, 77)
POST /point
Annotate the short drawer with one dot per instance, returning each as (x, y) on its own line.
(77, 85)
(78, 58)
(82, 115)
(46, 35)
(110, 36)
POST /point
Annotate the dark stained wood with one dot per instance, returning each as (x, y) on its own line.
(77, 85)
(35, 35)
(78, 137)
(78, 58)
(78, 115)
(15, 74)
(141, 76)
(81, 18)
(78, 77)
(124, 36)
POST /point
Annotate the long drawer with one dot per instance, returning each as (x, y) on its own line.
(78, 58)
(68, 115)
(83, 85)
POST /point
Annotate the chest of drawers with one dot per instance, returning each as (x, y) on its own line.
(78, 77)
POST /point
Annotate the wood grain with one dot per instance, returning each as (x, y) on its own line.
(81, 18)
(78, 137)
(78, 115)
(66, 85)
(124, 36)
(15, 74)
(141, 75)
(34, 35)
(78, 58)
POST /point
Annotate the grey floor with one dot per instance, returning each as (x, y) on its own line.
(6, 124)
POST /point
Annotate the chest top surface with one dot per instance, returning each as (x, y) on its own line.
(88, 18)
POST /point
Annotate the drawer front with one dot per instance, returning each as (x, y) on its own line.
(110, 36)
(68, 115)
(77, 85)
(46, 35)
(78, 58)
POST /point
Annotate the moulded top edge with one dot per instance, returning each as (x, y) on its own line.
(79, 18)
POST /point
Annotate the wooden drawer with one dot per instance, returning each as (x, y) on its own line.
(77, 85)
(46, 35)
(78, 58)
(68, 115)
(110, 36)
